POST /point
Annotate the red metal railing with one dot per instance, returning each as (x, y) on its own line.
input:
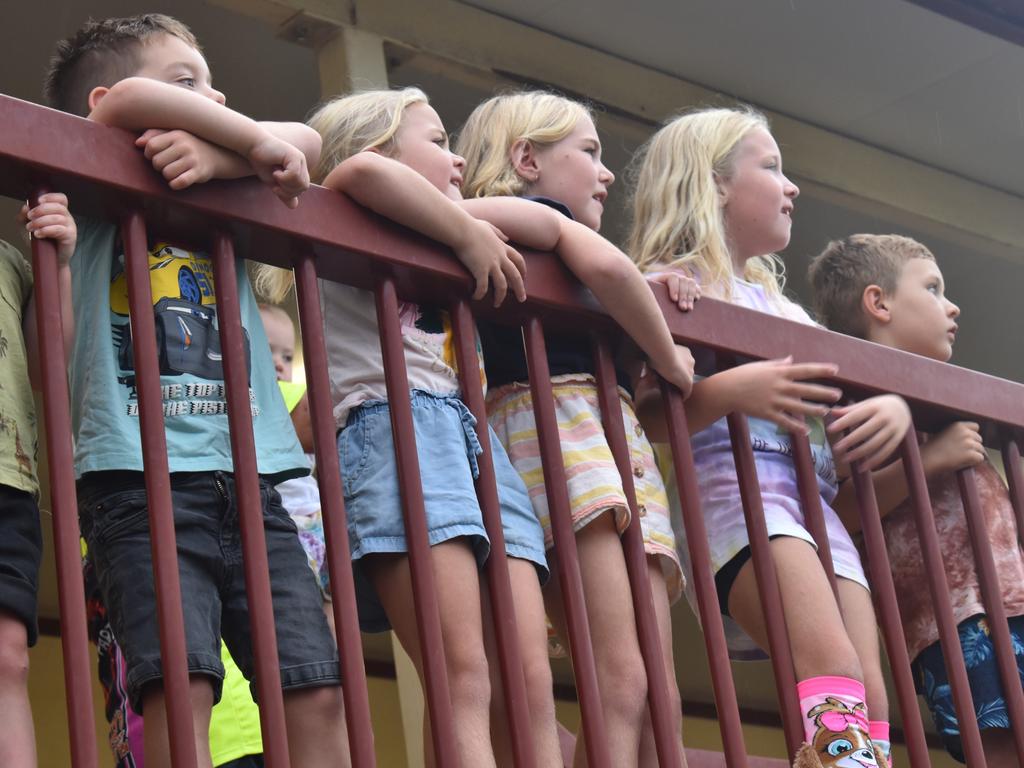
(330, 238)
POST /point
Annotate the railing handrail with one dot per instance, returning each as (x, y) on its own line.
(38, 144)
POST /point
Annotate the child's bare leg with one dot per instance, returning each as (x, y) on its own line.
(659, 588)
(458, 595)
(329, 614)
(999, 747)
(861, 626)
(18, 747)
(533, 651)
(154, 723)
(315, 722)
(818, 637)
(620, 668)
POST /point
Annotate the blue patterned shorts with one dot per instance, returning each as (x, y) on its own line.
(982, 672)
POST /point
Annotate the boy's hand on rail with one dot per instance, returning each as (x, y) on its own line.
(180, 157)
(52, 220)
(282, 166)
(956, 447)
(680, 372)
(778, 391)
(683, 290)
(484, 249)
(877, 426)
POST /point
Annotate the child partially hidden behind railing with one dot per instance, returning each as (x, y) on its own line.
(21, 540)
(889, 289)
(147, 74)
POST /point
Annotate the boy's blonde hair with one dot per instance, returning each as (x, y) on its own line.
(677, 214)
(102, 53)
(486, 140)
(840, 274)
(348, 125)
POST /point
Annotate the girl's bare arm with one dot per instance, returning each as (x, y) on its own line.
(404, 196)
(604, 269)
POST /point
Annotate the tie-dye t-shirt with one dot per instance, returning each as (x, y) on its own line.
(905, 557)
(773, 456)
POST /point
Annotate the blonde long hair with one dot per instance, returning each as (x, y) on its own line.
(486, 140)
(677, 216)
(348, 125)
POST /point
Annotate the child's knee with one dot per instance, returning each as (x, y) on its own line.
(326, 699)
(624, 684)
(469, 676)
(13, 660)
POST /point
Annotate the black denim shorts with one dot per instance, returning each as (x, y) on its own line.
(21, 550)
(115, 524)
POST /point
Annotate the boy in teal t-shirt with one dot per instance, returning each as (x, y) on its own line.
(147, 74)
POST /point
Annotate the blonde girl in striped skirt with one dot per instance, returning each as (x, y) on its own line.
(543, 146)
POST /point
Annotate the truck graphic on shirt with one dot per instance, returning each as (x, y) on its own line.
(185, 311)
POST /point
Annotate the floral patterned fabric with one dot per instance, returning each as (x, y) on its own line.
(982, 673)
(965, 594)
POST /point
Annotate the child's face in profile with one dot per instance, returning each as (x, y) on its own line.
(922, 320)
(422, 144)
(757, 199)
(571, 172)
(281, 335)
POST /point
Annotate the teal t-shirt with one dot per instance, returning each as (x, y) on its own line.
(104, 404)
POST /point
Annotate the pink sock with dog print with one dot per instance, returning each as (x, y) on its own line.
(835, 717)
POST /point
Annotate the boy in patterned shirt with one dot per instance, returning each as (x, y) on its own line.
(888, 289)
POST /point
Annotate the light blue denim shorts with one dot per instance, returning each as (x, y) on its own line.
(447, 447)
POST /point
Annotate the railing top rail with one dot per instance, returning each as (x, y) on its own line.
(104, 175)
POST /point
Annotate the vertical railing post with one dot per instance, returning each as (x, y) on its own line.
(665, 737)
(428, 622)
(810, 503)
(704, 580)
(57, 419)
(566, 556)
(158, 493)
(499, 587)
(887, 608)
(767, 583)
(250, 509)
(992, 597)
(332, 505)
(948, 635)
(1015, 481)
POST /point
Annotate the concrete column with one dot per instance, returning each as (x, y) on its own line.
(352, 60)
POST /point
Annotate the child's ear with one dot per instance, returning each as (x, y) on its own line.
(721, 190)
(524, 161)
(96, 95)
(876, 304)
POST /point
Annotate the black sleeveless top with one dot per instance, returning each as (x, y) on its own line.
(568, 353)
